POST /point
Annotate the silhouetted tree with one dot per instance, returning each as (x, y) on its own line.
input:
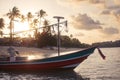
(46, 39)
(41, 14)
(2, 25)
(66, 41)
(46, 28)
(75, 42)
(107, 44)
(35, 26)
(29, 18)
(12, 14)
(22, 18)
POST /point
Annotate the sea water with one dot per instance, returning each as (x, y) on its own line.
(93, 68)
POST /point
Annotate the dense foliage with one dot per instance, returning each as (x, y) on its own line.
(108, 44)
(46, 39)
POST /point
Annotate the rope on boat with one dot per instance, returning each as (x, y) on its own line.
(101, 54)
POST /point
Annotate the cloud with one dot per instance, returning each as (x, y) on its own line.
(77, 2)
(71, 1)
(114, 13)
(96, 1)
(110, 31)
(117, 2)
(84, 22)
(112, 9)
(106, 12)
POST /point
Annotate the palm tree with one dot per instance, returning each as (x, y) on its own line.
(41, 15)
(29, 18)
(22, 18)
(2, 25)
(35, 26)
(12, 14)
(46, 28)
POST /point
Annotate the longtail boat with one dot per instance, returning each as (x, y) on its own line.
(68, 61)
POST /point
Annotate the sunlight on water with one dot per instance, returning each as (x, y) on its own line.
(96, 68)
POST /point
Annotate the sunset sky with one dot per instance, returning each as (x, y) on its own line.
(88, 20)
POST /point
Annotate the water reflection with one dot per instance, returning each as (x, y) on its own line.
(36, 75)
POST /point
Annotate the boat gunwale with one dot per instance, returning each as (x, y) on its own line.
(56, 58)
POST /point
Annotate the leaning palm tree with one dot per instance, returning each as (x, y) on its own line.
(2, 25)
(12, 14)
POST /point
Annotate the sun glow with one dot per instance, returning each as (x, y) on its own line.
(21, 26)
(31, 57)
(22, 29)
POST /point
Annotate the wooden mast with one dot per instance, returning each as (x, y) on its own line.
(58, 42)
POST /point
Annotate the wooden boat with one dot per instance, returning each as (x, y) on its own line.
(68, 61)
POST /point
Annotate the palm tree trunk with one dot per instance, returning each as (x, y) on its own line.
(13, 32)
(11, 36)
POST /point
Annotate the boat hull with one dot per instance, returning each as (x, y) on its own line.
(69, 61)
